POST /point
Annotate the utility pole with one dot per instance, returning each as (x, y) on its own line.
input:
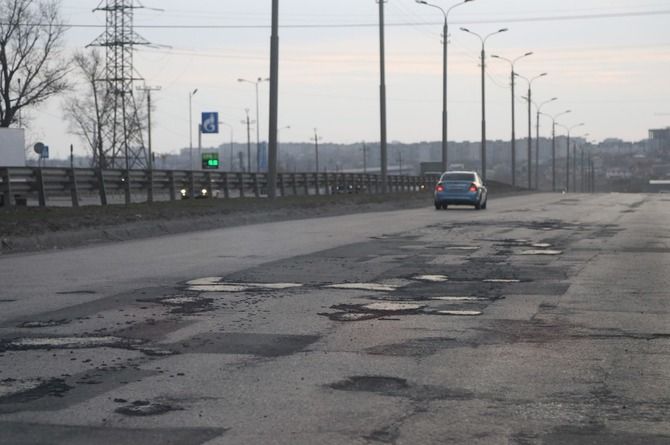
(248, 123)
(583, 187)
(382, 98)
(553, 156)
(274, 102)
(148, 90)
(574, 166)
(71, 156)
(365, 158)
(400, 161)
(316, 140)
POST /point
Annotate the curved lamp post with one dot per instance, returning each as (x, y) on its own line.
(483, 63)
(529, 98)
(512, 62)
(258, 125)
(553, 145)
(567, 154)
(444, 75)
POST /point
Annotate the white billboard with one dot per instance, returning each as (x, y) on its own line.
(12, 147)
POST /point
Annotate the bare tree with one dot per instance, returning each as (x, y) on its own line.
(89, 110)
(32, 68)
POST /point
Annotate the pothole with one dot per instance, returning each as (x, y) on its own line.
(351, 316)
(228, 288)
(363, 286)
(431, 278)
(23, 391)
(378, 384)
(142, 408)
(459, 299)
(215, 284)
(187, 304)
(27, 343)
(459, 313)
(542, 252)
(43, 324)
(392, 307)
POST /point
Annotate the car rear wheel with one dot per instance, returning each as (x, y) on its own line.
(438, 206)
(485, 203)
(478, 206)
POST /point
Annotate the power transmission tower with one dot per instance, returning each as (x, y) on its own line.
(124, 144)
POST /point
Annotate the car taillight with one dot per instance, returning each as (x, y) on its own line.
(439, 188)
(473, 188)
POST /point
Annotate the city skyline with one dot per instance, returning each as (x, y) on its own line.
(606, 61)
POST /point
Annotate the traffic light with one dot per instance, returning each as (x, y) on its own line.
(210, 161)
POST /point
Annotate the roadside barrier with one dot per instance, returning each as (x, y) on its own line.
(44, 187)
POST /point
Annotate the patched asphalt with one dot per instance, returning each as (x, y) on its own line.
(501, 329)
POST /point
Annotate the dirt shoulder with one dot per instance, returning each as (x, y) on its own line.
(36, 229)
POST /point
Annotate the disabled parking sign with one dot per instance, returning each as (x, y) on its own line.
(210, 123)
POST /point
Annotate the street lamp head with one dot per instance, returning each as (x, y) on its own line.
(465, 29)
(421, 2)
(503, 30)
(194, 92)
(528, 54)
(241, 80)
(467, 1)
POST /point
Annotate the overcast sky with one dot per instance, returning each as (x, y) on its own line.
(608, 61)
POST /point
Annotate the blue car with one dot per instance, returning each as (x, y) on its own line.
(460, 188)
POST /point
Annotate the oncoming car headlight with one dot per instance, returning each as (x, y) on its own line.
(203, 192)
(183, 192)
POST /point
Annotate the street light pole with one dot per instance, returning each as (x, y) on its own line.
(256, 83)
(512, 62)
(190, 125)
(483, 63)
(537, 140)
(382, 99)
(529, 98)
(567, 154)
(248, 123)
(553, 145)
(273, 137)
(445, 114)
(316, 148)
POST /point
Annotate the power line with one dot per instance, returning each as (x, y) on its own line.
(374, 25)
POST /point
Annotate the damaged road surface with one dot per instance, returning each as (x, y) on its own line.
(524, 324)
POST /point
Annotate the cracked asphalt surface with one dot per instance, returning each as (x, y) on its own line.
(543, 320)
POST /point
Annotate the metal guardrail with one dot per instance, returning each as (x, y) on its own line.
(78, 186)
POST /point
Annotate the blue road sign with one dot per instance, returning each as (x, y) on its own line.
(210, 123)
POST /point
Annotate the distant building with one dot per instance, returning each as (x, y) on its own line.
(659, 140)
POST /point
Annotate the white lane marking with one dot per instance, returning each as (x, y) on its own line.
(541, 245)
(501, 280)
(177, 301)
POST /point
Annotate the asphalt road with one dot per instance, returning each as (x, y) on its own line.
(544, 319)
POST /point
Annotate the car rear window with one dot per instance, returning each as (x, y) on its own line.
(458, 177)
